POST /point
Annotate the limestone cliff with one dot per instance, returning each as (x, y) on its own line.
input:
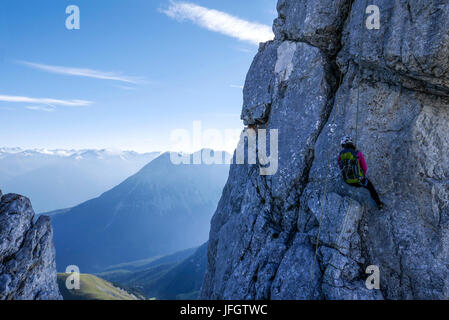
(324, 76)
(27, 254)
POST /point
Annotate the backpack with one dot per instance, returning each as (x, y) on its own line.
(351, 170)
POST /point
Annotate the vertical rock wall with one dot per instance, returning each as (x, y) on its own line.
(308, 83)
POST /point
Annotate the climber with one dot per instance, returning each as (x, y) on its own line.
(353, 167)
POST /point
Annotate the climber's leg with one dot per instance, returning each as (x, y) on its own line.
(368, 185)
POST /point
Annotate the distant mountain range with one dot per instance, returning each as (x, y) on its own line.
(55, 179)
(161, 209)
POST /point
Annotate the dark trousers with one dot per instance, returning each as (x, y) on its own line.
(365, 183)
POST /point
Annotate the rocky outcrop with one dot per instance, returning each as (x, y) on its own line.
(27, 254)
(302, 233)
(315, 22)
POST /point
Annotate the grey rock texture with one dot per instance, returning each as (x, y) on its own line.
(309, 84)
(27, 254)
(411, 47)
(316, 22)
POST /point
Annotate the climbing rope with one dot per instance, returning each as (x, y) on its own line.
(343, 229)
(357, 113)
(360, 72)
(328, 163)
(335, 176)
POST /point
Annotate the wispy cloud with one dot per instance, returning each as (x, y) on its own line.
(83, 72)
(41, 108)
(246, 50)
(219, 21)
(227, 115)
(126, 88)
(45, 101)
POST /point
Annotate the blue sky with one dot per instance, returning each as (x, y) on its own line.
(133, 73)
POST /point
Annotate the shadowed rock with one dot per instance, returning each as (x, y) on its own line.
(27, 254)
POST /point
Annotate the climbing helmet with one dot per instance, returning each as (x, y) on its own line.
(347, 140)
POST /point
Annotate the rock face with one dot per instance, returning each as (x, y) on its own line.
(325, 76)
(27, 254)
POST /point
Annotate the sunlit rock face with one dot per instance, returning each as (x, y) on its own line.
(325, 76)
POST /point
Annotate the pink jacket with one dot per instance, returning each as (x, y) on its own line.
(362, 162)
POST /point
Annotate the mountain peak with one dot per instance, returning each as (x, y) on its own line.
(160, 209)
